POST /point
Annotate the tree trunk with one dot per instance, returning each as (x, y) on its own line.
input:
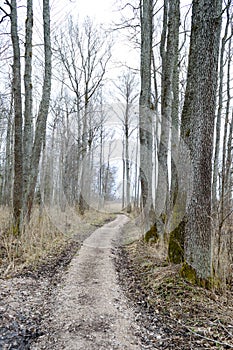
(225, 146)
(175, 23)
(198, 132)
(169, 100)
(145, 113)
(8, 171)
(219, 113)
(28, 120)
(18, 119)
(123, 174)
(43, 110)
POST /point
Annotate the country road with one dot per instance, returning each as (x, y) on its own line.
(90, 310)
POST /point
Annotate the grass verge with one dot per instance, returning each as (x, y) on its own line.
(44, 239)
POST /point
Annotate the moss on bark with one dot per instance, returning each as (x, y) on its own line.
(190, 274)
(152, 236)
(176, 244)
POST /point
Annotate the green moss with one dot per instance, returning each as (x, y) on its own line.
(151, 236)
(163, 217)
(189, 273)
(176, 244)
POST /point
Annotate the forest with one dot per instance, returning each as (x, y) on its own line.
(133, 116)
(156, 141)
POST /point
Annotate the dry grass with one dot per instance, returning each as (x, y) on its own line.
(223, 254)
(46, 235)
(206, 314)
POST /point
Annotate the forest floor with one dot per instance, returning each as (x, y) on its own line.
(172, 313)
(112, 291)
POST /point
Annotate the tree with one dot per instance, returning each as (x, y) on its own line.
(224, 40)
(28, 100)
(169, 51)
(197, 130)
(84, 54)
(26, 155)
(145, 113)
(18, 117)
(41, 121)
(127, 88)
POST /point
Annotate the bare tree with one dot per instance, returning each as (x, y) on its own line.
(18, 117)
(28, 99)
(127, 88)
(6, 144)
(41, 121)
(26, 169)
(225, 38)
(85, 54)
(145, 113)
(169, 51)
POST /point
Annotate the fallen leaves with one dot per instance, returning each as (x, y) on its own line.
(171, 313)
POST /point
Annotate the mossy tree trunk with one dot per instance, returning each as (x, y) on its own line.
(197, 131)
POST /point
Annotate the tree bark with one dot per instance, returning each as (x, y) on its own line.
(219, 111)
(226, 135)
(8, 171)
(197, 130)
(145, 113)
(175, 19)
(43, 110)
(169, 100)
(28, 120)
(18, 119)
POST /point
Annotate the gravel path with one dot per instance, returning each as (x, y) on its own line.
(90, 310)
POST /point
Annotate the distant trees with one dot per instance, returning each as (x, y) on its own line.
(75, 122)
(84, 53)
(127, 88)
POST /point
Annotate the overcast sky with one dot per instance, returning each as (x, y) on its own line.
(105, 12)
(102, 11)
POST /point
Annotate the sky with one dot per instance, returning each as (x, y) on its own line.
(102, 11)
(105, 12)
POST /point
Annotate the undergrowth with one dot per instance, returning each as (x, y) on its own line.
(45, 236)
(150, 279)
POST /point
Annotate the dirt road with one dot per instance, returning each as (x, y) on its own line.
(90, 310)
